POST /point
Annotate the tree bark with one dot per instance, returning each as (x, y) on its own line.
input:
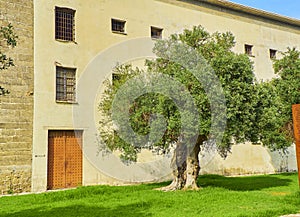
(185, 167)
(178, 165)
(192, 168)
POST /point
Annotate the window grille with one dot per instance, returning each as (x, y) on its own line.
(65, 84)
(64, 24)
(118, 25)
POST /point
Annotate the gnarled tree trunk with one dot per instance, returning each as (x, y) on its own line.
(185, 166)
(178, 165)
(193, 167)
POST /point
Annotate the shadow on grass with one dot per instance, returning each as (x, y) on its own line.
(289, 174)
(245, 183)
(133, 210)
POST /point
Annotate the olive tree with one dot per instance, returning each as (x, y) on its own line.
(224, 93)
(281, 93)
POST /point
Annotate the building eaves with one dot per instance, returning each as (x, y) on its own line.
(253, 11)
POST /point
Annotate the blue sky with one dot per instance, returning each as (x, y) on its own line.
(290, 8)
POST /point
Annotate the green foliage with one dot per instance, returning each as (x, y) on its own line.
(275, 99)
(273, 117)
(264, 196)
(288, 85)
(234, 71)
(259, 112)
(107, 134)
(8, 36)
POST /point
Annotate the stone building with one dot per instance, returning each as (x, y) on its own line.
(16, 109)
(76, 45)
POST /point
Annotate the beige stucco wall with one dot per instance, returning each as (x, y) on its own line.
(93, 35)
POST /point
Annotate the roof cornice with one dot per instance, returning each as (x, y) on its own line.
(253, 11)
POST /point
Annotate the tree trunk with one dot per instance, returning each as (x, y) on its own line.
(192, 168)
(178, 165)
(185, 166)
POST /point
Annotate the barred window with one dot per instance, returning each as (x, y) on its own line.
(65, 84)
(156, 32)
(64, 24)
(118, 25)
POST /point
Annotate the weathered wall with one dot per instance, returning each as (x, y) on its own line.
(16, 109)
(246, 159)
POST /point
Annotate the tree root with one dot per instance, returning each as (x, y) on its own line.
(174, 186)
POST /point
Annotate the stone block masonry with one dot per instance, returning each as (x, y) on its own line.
(16, 109)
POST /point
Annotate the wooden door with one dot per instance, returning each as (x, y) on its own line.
(64, 159)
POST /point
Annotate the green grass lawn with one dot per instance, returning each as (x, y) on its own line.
(269, 195)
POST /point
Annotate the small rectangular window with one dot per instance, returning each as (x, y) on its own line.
(156, 32)
(65, 84)
(118, 25)
(273, 53)
(248, 49)
(64, 24)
